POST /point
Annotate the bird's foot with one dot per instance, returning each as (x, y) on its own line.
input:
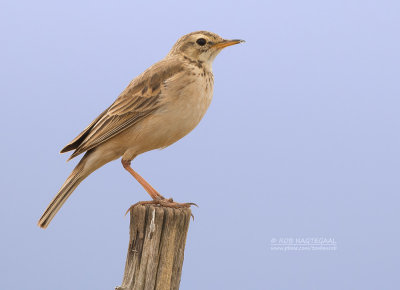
(165, 202)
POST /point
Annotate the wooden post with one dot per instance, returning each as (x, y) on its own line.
(156, 248)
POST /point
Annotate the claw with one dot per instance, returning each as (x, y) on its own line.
(164, 202)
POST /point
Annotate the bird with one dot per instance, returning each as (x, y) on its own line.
(156, 109)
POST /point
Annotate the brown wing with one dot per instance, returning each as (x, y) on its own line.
(136, 102)
(78, 139)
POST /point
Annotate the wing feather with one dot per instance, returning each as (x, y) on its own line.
(78, 139)
(141, 98)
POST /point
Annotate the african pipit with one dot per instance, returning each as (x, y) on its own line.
(158, 108)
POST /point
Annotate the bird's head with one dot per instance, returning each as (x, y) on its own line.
(201, 46)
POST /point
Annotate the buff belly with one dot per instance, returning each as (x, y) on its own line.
(175, 119)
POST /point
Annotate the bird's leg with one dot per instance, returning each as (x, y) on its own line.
(150, 190)
(158, 199)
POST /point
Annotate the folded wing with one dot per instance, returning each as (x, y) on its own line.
(142, 97)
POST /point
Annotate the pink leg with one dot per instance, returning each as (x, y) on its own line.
(150, 190)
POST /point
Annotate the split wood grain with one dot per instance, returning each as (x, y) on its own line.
(156, 248)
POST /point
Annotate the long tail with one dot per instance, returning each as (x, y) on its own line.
(76, 177)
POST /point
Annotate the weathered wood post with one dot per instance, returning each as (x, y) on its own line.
(156, 248)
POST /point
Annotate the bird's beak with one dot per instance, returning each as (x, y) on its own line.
(227, 42)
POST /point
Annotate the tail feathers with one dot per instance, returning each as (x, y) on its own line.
(66, 190)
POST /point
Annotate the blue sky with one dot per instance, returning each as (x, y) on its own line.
(301, 140)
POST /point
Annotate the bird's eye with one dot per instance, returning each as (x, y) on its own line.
(201, 41)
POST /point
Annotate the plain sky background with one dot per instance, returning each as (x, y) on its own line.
(301, 140)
